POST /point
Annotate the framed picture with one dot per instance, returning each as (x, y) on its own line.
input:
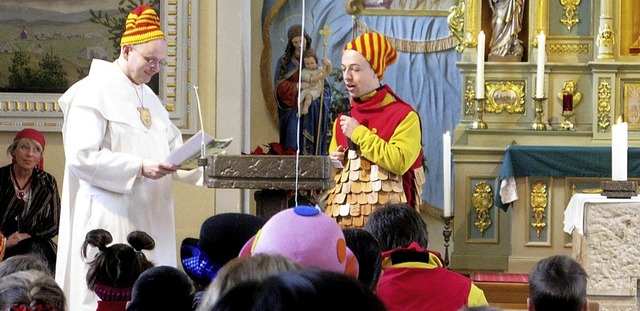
(505, 96)
(631, 102)
(400, 7)
(34, 32)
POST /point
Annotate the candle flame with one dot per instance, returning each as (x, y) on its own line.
(620, 119)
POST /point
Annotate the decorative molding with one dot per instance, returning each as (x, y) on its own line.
(456, 24)
(539, 202)
(570, 18)
(482, 202)
(41, 110)
(505, 95)
(578, 48)
(357, 7)
(469, 96)
(604, 105)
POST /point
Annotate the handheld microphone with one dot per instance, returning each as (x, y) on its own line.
(345, 107)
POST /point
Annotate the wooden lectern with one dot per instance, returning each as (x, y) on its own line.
(272, 174)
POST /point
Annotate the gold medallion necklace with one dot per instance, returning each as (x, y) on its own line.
(145, 115)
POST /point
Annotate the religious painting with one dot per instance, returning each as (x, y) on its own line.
(400, 7)
(47, 46)
(631, 102)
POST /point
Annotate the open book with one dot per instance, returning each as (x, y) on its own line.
(187, 155)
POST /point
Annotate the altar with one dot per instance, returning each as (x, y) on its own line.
(606, 241)
(530, 185)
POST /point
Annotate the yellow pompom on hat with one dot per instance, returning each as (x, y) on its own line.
(376, 49)
(143, 25)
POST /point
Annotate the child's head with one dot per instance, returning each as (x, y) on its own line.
(310, 59)
(116, 266)
(161, 288)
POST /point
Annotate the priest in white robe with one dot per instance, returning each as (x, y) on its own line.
(116, 134)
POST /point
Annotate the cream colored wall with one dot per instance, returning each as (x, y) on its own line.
(229, 99)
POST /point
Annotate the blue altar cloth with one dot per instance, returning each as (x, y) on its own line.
(561, 161)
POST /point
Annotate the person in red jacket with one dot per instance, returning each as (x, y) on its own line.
(414, 278)
(377, 142)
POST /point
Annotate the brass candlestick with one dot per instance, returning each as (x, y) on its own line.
(479, 123)
(447, 235)
(538, 125)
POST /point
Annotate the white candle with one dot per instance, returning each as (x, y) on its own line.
(446, 175)
(619, 148)
(480, 66)
(541, 60)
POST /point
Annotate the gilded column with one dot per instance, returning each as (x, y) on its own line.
(471, 28)
(605, 41)
(542, 16)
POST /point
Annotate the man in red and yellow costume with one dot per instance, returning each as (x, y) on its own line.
(378, 142)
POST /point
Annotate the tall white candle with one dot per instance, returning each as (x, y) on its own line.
(480, 66)
(446, 175)
(619, 148)
(541, 60)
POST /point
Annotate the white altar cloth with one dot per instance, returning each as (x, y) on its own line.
(574, 213)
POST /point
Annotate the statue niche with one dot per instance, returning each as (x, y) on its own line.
(506, 24)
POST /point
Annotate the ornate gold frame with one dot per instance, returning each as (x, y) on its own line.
(356, 7)
(630, 93)
(41, 110)
(496, 105)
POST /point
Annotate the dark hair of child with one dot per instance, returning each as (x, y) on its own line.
(118, 265)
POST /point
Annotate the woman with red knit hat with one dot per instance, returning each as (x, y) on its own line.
(29, 201)
(116, 135)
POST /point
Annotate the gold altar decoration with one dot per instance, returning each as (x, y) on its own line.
(455, 20)
(482, 202)
(539, 202)
(569, 99)
(469, 95)
(479, 123)
(606, 36)
(604, 105)
(570, 7)
(538, 124)
(471, 33)
(505, 95)
(542, 15)
(580, 48)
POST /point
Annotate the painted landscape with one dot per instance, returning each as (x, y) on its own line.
(65, 42)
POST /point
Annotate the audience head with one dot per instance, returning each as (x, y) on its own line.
(116, 267)
(367, 250)
(31, 290)
(309, 289)
(161, 288)
(243, 269)
(397, 226)
(30, 138)
(308, 237)
(22, 263)
(221, 239)
(558, 283)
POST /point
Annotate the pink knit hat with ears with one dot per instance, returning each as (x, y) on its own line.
(306, 236)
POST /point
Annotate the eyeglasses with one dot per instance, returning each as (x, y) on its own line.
(153, 62)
